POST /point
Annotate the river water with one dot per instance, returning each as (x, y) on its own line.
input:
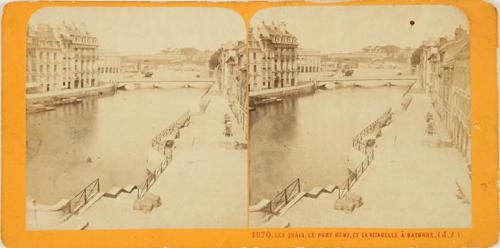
(103, 137)
(309, 137)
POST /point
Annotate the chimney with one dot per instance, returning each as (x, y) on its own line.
(282, 26)
(460, 32)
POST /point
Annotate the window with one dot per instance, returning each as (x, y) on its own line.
(55, 68)
(55, 56)
(41, 68)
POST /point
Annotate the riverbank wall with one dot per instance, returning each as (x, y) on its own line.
(82, 92)
(282, 92)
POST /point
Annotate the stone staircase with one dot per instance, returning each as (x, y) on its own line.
(324, 195)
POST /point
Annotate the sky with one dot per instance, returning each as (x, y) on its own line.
(351, 28)
(149, 30)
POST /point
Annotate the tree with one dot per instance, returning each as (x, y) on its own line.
(214, 59)
(415, 56)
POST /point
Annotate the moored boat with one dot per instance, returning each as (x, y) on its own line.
(35, 108)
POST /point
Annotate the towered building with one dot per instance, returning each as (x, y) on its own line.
(63, 57)
(272, 57)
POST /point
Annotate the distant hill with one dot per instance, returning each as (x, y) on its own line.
(173, 56)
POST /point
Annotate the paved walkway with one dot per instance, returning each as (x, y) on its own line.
(204, 186)
(411, 183)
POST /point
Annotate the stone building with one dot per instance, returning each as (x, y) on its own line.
(445, 76)
(231, 75)
(108, 66)
(79, 56)
(43, 60)
(309, 65)
(273, 57)
(328, 64)
(430, 66)
(454, 90)
(58, 58)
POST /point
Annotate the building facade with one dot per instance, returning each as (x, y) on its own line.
(328, 64)
(445, 76)
(232, 74)
(273, 57)
(309, 65)
(454, 91)
(430, 68)
(108, 66)
(58, 58)
(43, 60)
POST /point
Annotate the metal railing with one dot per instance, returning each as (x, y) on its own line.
(84, 196)
(360, 145)
(281, 199)
(146, 185)
(346, 186)
(358, 138)
(409, 88)
(160, 147)
(173, 128)
(406, 102)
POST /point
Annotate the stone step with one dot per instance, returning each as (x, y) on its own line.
(73, 223)
(330, 188)
(314, 192)
(113, 192)
(295, 199)
(276, 222)
(260, 206)
(129, 188)
(326, 196)
(92, 201)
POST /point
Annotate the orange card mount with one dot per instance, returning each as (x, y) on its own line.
(250, 124)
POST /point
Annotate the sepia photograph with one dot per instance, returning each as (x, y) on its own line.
(360, 117)
(136, 118)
